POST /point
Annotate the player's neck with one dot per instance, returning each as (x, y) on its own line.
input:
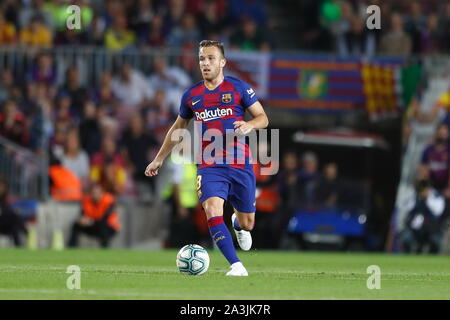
(214, 83)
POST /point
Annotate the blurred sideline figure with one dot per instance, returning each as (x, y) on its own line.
(98, 217)
(423, 225)
(64, 184)
(10, 223)
(267, 200)
(181, 195)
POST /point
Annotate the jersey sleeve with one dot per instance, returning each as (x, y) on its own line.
(248, 95)
(185, 111)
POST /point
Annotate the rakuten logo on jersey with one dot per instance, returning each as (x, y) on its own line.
(208, 114)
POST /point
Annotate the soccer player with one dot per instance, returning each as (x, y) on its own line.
(219, 102)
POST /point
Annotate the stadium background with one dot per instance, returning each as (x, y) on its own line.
(352, 96)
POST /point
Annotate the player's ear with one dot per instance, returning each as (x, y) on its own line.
(223, 62)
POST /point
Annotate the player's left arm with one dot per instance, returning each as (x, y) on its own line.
(259, 121)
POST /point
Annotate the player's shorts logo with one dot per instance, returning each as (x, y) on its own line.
(226, 98)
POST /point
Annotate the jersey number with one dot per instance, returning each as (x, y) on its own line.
(199, 182)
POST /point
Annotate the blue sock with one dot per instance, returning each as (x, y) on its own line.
(222, 238)
(236, 225)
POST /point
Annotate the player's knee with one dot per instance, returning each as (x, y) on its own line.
(213, 209)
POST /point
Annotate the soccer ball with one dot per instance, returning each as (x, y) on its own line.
(193, 259)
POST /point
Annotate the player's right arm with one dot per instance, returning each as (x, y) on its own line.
(167, 146)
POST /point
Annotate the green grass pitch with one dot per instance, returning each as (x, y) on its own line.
(130, 274)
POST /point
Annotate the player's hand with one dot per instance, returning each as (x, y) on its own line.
(242, 127)
(153, 168)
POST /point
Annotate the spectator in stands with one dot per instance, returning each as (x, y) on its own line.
(158, 115)
(13, 123)
(328, 188)
(308, 180)
(62, 110)
(10, 222)
(35, 34)
(58, 139)
(142, 13)
(336, 16)
(173, 15)
(103, 94)
(249, 37)
(185, 33)
(358, 41)
(172, 79)
(254, 9)
(43, 71)
(89, 129)
(423, 225)
(95, 32)
(415, 22)
(11, 10)
(136, 145)
(7, 31)
(71, 37)
(109, 124)
(131, 88)
(98, 217)
(27, 14)
(73, 88)
(312, 34)
(444, 27)
(108, 167)
(396, 41)
(41, 124)
(210, 20)
(118, 36)
(6, 85)
(111, 9)
(430, 36)
(435, 159)
(154, 36)
(74, 158)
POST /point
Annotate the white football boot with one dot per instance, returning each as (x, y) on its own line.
(237, 270)
(244, 238)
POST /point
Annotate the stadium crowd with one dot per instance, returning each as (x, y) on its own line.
(407, 27)
(128, 25)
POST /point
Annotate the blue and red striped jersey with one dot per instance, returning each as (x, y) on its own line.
(219, 109)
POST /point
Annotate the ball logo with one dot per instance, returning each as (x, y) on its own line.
(208, 114)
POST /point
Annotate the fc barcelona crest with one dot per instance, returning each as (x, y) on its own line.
(226, 98)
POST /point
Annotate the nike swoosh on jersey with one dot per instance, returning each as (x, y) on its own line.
(195, 102)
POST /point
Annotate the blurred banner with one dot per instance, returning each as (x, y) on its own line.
(329, 83)
(251, 67)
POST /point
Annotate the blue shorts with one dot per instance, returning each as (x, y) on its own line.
(236, 185)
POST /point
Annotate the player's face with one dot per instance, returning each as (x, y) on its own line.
(211, 62)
